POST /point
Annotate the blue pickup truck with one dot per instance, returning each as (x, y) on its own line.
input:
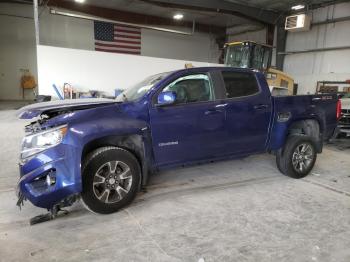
(103, 151)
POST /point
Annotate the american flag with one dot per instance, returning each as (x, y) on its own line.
(117, 38)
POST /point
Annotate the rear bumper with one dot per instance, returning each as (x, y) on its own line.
(344, 130)
(61, 165)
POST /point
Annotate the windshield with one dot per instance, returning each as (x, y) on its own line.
(248, 56)
(261, 57)
(138, 90)
(237, 56)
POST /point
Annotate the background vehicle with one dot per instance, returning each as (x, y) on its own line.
(344, 121)
(105, 151)
(249, 54)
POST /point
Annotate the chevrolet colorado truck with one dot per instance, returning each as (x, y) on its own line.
(103, 151)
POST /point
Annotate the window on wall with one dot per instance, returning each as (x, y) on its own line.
(192, 88)
(239, 84)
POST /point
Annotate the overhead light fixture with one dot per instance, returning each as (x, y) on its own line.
(298, 7)
(79, 1)
(178, 16)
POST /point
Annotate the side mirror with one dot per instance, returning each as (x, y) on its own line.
(166, 98)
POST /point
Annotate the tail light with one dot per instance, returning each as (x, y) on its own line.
(338, 112)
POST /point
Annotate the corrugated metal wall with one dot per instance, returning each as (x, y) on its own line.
(308, 68)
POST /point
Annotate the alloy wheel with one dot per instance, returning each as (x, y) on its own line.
(112, 182)
(302, 157)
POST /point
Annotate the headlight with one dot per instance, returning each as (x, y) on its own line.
(36, 143)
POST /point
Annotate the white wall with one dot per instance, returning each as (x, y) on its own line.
(198, 47)
(308, 68)
(17, 51)
(17, 44)
(92, 70)
(63, 31)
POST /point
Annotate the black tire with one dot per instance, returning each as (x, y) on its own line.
(284, 158)
(95, 163)
(279, 162)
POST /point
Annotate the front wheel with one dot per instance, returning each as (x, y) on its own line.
(298, 156)
(110, 177)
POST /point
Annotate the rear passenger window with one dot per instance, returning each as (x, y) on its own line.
(239, 84)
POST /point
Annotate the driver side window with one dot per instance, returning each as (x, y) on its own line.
(191, 89)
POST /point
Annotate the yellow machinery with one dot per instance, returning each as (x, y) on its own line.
(249, 54)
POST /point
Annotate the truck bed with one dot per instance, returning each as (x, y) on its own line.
(288, 109)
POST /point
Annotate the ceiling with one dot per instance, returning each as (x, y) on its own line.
(282, 5)
(145, 7)
(224, 13)
(219, 13)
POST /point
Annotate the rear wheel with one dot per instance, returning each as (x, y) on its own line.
(297, 157)
(279, 162)
(111, 177)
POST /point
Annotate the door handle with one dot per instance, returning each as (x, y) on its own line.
(260, 106)
(213, 111)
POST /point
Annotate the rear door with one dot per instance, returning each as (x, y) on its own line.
(193, 127)
(248, 112)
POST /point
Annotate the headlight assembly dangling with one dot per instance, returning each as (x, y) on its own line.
(36, 143)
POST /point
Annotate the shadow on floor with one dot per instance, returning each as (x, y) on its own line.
(340, 143)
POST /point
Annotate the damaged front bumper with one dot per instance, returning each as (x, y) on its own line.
(50, 177)
(20, 198)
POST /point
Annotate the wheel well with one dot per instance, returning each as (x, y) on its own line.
(309, 127)
(131, 143)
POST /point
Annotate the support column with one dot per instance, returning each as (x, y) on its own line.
(37, 42)
(281, 43)
(36, 21)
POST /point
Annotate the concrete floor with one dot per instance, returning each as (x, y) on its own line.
(240, 210)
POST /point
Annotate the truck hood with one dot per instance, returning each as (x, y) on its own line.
(60, 106)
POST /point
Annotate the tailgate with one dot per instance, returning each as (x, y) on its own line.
(325, 106)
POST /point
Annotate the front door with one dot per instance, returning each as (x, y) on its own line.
(192, 128)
